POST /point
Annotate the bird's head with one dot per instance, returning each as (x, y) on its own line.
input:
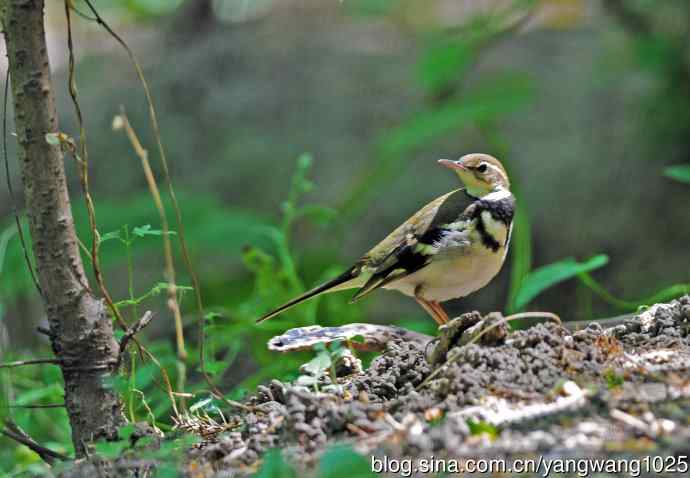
(480, 173)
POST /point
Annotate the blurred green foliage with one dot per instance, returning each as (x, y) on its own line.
(544, 277)
(679, 173)
(260, 264)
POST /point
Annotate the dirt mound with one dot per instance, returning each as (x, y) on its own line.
(613, 392)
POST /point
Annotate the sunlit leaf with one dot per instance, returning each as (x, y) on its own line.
(679, 173)
(111, 449)
(482, 428)
(544, 277)
(274, 466)
(146, 230)
(341, 461)
(109, 236)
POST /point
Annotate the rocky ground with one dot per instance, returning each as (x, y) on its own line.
(617, 392)
(551, 393)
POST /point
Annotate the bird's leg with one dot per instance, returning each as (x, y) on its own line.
(439, 311)
(428, 307)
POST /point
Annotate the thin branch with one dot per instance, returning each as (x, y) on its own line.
(503, 320)
(139, 150)
(13, 202)
(13, 431)
(44, 405)
(82, 157)
(21, 363)
(180, 225)
(132, 330)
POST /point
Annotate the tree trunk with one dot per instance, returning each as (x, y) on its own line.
(81, 331)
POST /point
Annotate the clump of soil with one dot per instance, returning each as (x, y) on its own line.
(593, 392)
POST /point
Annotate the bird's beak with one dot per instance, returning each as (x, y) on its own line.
(452, 164)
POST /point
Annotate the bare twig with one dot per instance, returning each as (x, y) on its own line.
(180, 225)
(21, 363)
(139, 150)
(13, 431)
(39, 405)
(81, 157)
(484, 331)
(132, 330)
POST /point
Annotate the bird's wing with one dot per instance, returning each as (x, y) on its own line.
(412, 245)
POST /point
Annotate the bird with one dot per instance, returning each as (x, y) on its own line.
(452, 247)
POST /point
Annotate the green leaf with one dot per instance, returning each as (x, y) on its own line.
(214, 367)
(445, 61)
(679, 173)
(126, 431)
(109, 236)
(663, 295)
(489, 101)
(152, 8)
(318, 364)
(341, 461)
(274, 466)
(36, 395)
(145, 230)
(482, 428)
(53, 139)
(544, 277)
(111, 449)
(318, 214)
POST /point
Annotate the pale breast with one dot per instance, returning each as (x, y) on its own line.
(452, 277)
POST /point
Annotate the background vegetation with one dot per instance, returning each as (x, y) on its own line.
(300, 133)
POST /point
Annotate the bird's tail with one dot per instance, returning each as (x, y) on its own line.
(338, 283)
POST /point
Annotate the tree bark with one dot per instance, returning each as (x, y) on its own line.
(80, 328)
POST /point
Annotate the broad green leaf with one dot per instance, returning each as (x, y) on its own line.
(341, 461)
(109, 236)
(35, 395)
(489, 101)
(126, 431)
(319, 214)
(214, 367)
(482, 428)
(318, 364)
(445, 61)
(111, 449)
(274, 466)
(544, 277)
(664, 295)
(679, 173)
(152, 8)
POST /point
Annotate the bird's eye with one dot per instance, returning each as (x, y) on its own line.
(482, 168)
